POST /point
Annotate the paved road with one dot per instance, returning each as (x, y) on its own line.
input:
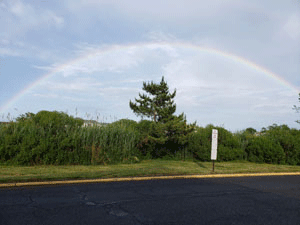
(248, 200)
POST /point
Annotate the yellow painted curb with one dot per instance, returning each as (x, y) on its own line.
(7, 185)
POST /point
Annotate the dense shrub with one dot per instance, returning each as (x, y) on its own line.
(168, 140)
(126, 123)
(149, 136)
(228, 144)
(199, 144)
(288, 139)
(263, 149)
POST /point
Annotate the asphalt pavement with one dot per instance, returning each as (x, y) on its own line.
(241, 200)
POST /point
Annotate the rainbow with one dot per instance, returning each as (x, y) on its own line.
(185, 45)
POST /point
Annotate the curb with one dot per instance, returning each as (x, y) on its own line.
(106, 180)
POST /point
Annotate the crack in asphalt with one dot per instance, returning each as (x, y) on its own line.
(82, 195)
(115, 209)
(164, 197)
(32, 203)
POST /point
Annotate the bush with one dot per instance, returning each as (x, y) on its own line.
(262, 149)
(164, 140)
(146, 144)
(228, 144)
(199, 144)
(288, 139)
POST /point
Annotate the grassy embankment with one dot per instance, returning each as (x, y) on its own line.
(11, 174)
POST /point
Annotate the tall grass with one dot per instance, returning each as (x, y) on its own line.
(58, 139)
(111, 144)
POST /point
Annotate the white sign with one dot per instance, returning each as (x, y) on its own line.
(214, 144)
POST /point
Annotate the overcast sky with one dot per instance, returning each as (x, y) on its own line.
(90, 57)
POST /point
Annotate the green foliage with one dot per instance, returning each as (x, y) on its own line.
(199, 144)
(288, 139)
(58, 139)
(113, 143)
(26, 116)
(243, 137)
(126, 123)
(229, 147)
(158, 140)
(158, 104)
(166, 134)
(250, 131)
(175, 134)
(262, 149)
(148, 136)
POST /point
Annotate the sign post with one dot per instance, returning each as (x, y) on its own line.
(214, 146)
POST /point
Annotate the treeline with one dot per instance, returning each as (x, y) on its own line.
(58, 139)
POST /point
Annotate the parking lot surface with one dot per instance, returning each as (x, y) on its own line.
(241, 200)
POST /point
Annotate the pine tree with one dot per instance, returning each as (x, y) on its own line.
(167, 133)
(158, 104)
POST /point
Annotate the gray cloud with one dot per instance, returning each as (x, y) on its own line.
(97, 54)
